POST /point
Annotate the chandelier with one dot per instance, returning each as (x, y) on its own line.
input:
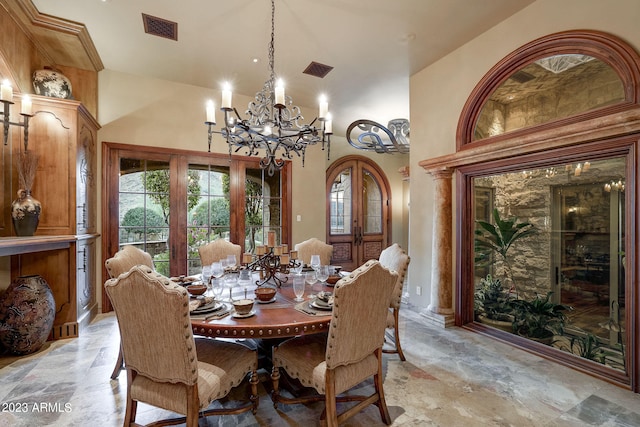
(272, 122)
(368, 135)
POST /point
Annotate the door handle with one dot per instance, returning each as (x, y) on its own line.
(357, 236)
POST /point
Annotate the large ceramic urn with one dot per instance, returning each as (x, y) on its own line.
(27, 311)
(51, 82)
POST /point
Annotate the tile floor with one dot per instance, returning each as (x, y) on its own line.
(452, 377)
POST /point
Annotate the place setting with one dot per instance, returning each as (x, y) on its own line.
(320, 304)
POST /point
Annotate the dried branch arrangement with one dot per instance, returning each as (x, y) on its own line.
(27, 166)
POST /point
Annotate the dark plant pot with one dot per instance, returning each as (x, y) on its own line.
(27, 312)
(498, 324)
(548, 340)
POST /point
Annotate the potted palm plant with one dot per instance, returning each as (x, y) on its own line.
(492, 304)
(493, 241)
(497, 238)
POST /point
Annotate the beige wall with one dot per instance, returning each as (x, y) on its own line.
(438, 94)
(142, 111)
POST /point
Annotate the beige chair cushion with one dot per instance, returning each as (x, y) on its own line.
(361, 302)
(396, 259)
(217, 250)
(314, 246)
(310, 368)
(126, 258)
(221, 366)
(159, 347)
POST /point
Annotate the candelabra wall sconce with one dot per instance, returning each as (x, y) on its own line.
(6, 97)
(271, 259)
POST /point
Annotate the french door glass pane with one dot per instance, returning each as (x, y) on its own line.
(372, 203)
(263, 208)
(340, 203)
(571, 260)
(144, 208)
(208, 209)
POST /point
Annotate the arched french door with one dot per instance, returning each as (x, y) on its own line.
(358, 211)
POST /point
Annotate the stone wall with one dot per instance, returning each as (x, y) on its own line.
(529, 195)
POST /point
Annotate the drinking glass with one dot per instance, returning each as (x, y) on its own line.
(231, 261)
(297, 270)
(310, 277)
(230, 280)
(218, 287)
(323, 273)
(224, 263)
(217, 270)
(206, 277)
(244, 277)
(298, 287)
(315, 262)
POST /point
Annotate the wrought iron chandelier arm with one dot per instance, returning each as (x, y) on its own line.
(272, 123)
(375, 137)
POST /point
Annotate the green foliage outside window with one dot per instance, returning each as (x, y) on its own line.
(140, 221)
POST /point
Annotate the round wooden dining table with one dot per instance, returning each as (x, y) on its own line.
(277, 319)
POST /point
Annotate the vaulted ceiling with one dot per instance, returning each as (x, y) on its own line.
(373, 45)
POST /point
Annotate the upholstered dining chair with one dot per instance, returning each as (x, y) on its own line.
(314, 246)
(334, 363)
(217, 250)
(127, 257)
(396, 259)
(166, 366)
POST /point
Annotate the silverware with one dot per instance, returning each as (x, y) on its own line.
(304, 310)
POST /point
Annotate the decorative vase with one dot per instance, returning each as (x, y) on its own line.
(27, 311)
(25, 212)
(51, 82)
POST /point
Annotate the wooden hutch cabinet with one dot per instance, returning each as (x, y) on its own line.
(63, 250)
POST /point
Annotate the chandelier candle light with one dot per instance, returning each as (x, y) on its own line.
(273, 122)
(271, 259)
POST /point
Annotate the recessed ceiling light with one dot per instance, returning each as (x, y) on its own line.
(255, 60)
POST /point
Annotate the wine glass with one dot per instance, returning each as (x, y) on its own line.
(310, 278)
(218, 287)
(231, 261)
(315, 262)
(298, 269)
(217, 270)
(230, 280)
(206, 277)
(298, 287)
(323, 273)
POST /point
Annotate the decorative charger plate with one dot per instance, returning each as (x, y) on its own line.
(208, 308)
(320, 305)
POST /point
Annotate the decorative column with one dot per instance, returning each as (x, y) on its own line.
(440, 311)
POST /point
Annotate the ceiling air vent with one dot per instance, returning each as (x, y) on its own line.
(522, 77)
(160, 27)
(317, 69)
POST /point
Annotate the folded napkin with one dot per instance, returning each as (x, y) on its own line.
(195, 304)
